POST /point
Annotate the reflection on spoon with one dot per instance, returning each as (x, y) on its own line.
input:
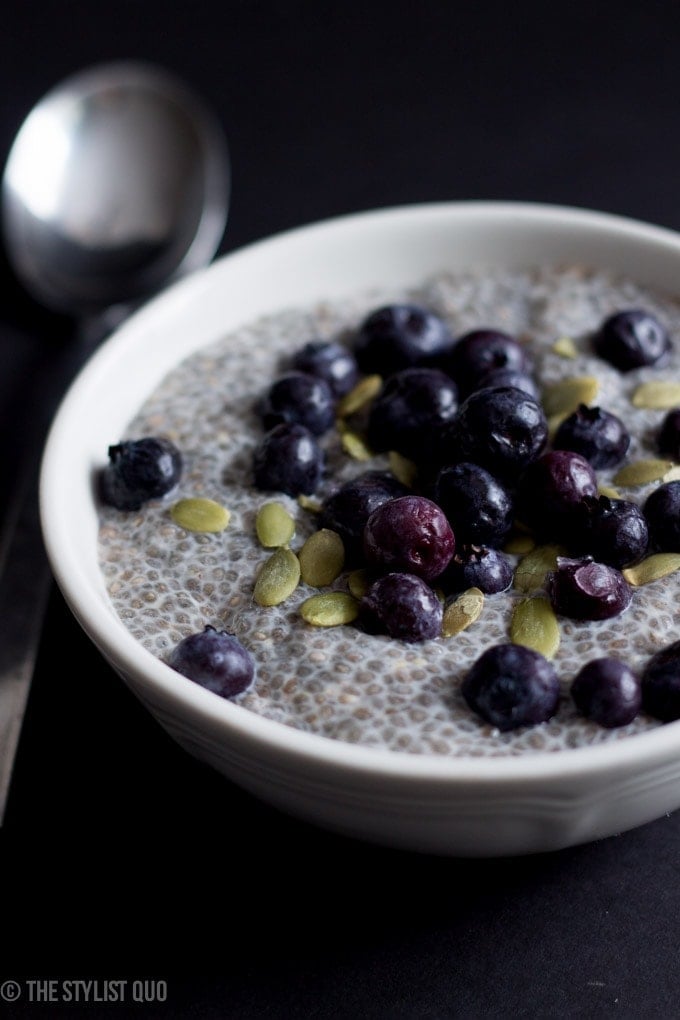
(117, 182)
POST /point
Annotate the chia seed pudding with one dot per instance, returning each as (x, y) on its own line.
(165, 582)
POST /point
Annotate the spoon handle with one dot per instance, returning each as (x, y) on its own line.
(25, 575)
(24, 589)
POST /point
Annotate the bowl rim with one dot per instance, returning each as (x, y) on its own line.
(154, 677)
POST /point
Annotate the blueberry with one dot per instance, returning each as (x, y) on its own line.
(403, 606)
(612, 531)
(348, 508)
(475, 566)
(398, 336)
(500, 427)
(662, 511)
(409, 534)
(608, 692)
(330, 361)
(550, 490)
(139, 470)
(668, 438)
(288, 459)
(411, 409)
(585, 590)
(301, 398)
(479, 507)
(661, 684)
(631, 339)
(480, 352)
(511, 686)
(597, 435)
(215, 660)
(521, 380)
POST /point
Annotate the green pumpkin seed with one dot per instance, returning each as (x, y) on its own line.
(321, 558)
(329, 609)
(641, 472)
(200, 514)
(309, 503)
(609, 491)
(462, 612)
(359, 581)
(355, 446)
(565, 347)
(535, 625)
(274, 525)
(278, 578)
(531, 570)
(653, 568)
(364, 391)
(564, 397)
(657, 395)
(403, 469)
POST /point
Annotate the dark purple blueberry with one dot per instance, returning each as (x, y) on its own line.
(668, 439)
(403, 606)
(479, 507)
(331, 361)
(410, 410)
(612, 531)
(511, 686)
(631, 339)
(662, 511)
(481, 351)
(661, 684)
(597, 435)
(300, 398)
(501, 428)
(585, 590)
(510, 377)
(288, 459)
(475, 566)
(215, 660)
(550, 490)
(348, 508)
(608, 692)
(399, 336)
(139, 470)
(409, 534)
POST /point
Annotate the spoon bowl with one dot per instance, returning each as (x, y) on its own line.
(116, 184)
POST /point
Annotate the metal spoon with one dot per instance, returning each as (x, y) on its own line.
(117, 183)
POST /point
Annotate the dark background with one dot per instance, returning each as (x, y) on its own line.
(121, 857)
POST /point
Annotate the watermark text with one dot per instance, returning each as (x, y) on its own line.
(84, 990)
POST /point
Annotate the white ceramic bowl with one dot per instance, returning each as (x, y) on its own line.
(472, 807)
